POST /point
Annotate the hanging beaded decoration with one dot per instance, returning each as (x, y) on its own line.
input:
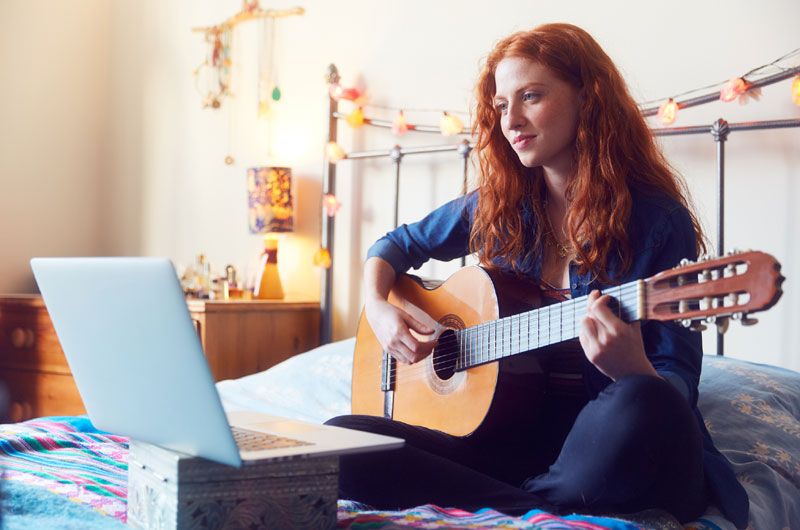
(213, 76)
(268, 90)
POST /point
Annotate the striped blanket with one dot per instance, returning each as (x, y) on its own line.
(83, 467)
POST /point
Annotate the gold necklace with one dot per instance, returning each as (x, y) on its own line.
(561, 249)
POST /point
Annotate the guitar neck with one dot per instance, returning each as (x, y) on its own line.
(551, 324)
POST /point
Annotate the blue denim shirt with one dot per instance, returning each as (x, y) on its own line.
(661, 234)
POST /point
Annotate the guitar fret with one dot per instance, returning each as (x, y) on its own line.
(557, 310)
(539, 328)
(473, 345)
(515, 333)
(506, 337)
(497, 344)
(484, 343)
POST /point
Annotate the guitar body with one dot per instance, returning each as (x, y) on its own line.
(483, 400)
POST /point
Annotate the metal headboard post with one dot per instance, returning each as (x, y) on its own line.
(396, 154)
(464, 149)
(328, 187)
(720, 131)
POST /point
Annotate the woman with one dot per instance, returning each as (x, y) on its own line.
(574, 195)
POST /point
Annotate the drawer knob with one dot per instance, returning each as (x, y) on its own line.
(22, 338)
(20, 411)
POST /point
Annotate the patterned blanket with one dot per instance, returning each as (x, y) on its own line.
(70, 458)
(80, 465)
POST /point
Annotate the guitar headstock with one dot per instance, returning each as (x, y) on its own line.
(715, 290)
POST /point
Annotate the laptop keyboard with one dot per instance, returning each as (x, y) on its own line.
(248, 440)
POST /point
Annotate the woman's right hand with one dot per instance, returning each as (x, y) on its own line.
(392, 326)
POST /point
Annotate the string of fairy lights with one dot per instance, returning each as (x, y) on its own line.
(743, 88)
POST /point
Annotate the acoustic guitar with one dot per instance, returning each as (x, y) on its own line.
(468, 385)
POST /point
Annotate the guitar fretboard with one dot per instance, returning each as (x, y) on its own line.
(496, 339)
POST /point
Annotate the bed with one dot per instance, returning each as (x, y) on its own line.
(60, 472)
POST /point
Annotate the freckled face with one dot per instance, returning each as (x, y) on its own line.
(538, 113)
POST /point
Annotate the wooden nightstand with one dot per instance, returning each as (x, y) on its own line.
(244, 337)
(239, 338)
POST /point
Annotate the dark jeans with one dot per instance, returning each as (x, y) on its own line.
(636, 446)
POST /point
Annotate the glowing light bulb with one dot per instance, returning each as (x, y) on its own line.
(450, 125)
(732, 89)
(796, 90)
(322, 258)
(350, 94)
(331, 204)
(668, 111)
(335, 152)
(356, 118)
(335, 91)
(399, 125)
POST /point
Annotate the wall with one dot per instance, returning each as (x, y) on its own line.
(53, 145)
(139, 165)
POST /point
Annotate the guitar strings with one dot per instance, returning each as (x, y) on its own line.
(447, 358)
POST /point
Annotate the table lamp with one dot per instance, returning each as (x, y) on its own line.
(269, 191)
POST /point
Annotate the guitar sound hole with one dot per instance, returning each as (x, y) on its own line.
(445, 355)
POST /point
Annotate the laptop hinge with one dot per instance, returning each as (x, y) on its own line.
(388, 367)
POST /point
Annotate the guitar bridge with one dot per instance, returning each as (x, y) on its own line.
(388, 368)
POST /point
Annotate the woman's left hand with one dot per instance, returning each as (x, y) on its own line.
(615, 347)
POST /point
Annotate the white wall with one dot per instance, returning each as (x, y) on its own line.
(133, 165)
(54, 93)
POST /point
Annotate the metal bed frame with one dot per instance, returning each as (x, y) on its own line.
(719, 131)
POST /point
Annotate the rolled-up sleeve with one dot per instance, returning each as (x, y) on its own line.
(675, 352)
(443, 234)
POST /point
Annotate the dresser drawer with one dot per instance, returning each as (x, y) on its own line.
(33, 394)
(28, 340)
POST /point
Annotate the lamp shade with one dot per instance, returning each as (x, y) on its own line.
(270, 204)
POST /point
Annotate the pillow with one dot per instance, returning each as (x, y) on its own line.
(753, 413)
(312, 386)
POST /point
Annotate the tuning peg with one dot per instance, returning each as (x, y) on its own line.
(698, 326)
(749, 321)
(722, 325)
(694, 325)
(731, 300)
(685, 261)
(744, 318)
(735, 251)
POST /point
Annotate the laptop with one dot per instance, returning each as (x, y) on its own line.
(139, 366)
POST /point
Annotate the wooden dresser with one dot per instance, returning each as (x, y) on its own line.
(239, 338)
(32, 364)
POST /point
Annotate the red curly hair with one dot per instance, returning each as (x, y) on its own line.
(614, 150)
